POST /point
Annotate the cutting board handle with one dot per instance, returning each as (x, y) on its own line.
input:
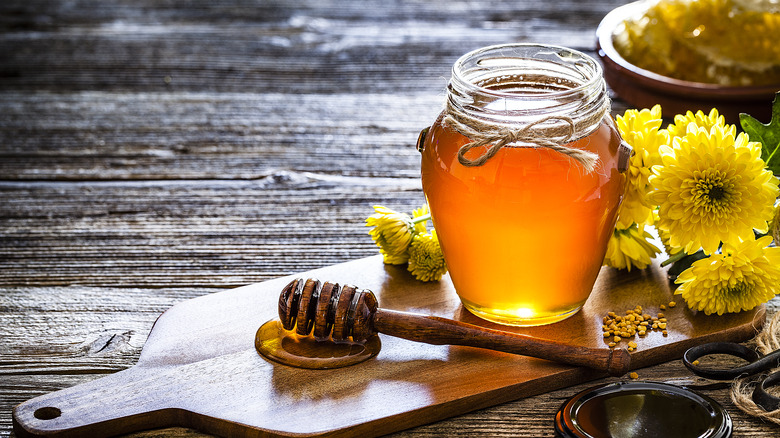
(125, 402)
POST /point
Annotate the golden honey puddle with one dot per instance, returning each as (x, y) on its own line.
(275, 343)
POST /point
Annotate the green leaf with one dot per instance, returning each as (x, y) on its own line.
(768, 134)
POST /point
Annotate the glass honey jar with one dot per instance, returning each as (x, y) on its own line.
(523, 174)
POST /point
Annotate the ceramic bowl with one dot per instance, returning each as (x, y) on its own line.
(643, 88)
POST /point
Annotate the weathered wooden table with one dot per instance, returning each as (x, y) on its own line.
(152, 152)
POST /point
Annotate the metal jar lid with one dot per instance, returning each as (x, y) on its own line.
(641, 409)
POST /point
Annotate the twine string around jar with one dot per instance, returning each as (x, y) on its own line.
(483, 132)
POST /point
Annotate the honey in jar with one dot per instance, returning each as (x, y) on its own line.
(524, 227)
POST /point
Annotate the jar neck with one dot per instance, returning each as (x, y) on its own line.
(523, 84)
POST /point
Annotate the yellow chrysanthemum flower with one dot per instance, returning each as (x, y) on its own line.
(392, 232)
(426, 261)
(743, 276)
(712, 188)
(680, 126)
(629, 248)
(640, 129)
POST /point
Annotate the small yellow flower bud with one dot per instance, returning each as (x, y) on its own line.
(426, 261)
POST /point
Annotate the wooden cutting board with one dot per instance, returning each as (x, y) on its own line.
(199, 367)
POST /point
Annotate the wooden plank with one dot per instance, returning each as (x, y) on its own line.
(188, 233)
(111, 136)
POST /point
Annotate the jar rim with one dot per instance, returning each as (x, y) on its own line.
(591, 78)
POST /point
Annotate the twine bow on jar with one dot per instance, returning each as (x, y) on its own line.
(482, 132)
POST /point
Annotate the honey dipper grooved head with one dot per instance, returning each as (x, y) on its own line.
(327, 310)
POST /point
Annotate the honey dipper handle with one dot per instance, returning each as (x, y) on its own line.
(442, 331)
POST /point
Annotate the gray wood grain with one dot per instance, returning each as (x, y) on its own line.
(188, 135)
(155, 151)
(270, 46)
(189, 233)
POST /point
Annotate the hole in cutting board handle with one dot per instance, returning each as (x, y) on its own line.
(47, 413)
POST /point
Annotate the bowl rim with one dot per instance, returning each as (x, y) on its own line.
(606, 49)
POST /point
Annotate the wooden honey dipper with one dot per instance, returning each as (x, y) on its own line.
(329, 311)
